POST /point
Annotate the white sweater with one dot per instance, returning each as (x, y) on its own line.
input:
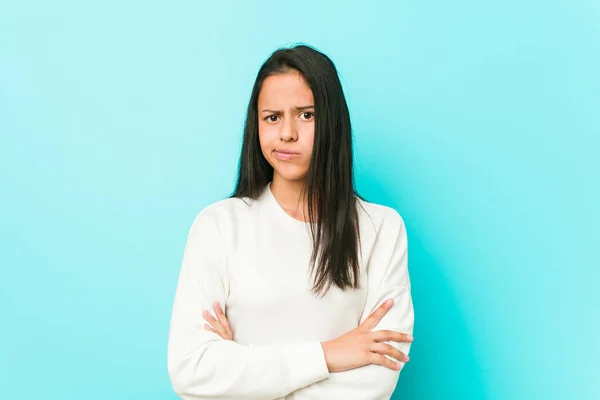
(254, 259)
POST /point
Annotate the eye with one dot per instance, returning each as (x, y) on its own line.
(311, 114)
(269, 118)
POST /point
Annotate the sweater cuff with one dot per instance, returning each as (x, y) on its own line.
(305, 364)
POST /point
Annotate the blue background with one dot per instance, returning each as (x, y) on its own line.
(477, 120)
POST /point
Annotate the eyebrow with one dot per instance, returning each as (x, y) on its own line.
(295, 108)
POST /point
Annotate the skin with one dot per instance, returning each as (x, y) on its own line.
(286, 120)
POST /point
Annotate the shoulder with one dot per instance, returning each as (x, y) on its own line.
(384, 233)
(379, 216)
(223, 215)
(225, 208)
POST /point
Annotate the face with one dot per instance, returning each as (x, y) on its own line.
(286, 125)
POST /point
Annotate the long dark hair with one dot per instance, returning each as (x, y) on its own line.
(330, 182)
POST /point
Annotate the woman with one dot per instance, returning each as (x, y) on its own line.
(282, 287)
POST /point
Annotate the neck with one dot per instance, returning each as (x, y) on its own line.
(290, 196)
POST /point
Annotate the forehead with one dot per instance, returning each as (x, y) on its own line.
(285, 89)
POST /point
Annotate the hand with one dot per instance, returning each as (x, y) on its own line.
(220, 326)
(361, 346)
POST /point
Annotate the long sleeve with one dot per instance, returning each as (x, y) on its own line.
(202, 365)
(387, 277)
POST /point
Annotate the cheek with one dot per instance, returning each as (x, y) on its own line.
(309, 136)
(264, 138)
(266, 134)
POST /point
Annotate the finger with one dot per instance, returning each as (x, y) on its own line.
(379, 359)
(373, 319)
(207, 327)
(215, 324)
(208, 316)
(385, 335)
(386, 349)
(221, 316)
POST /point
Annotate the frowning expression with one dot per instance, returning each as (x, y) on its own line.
(286, 124)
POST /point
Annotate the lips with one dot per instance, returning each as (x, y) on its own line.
(283, 151)
(286, 154)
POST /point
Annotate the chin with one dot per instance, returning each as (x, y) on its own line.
(291, 174)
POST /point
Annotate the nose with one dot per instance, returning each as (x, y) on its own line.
(288, 130)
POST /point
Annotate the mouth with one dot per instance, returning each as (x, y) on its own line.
(286, 154)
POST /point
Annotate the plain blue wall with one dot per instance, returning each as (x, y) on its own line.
(477, 120)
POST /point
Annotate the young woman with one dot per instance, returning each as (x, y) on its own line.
(283, 286)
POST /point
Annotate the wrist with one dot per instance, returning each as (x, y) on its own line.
(325, 347)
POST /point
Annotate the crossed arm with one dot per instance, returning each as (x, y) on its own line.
(203, 364)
